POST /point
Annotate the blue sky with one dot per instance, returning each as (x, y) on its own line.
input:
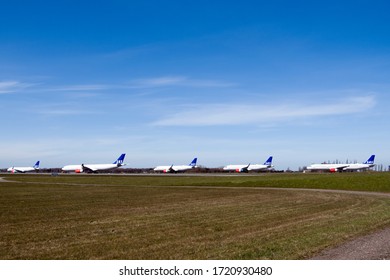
(165, 81)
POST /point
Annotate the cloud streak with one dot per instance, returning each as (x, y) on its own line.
(156, 82)
(81, 87)
(13, 86)
(242, 114)
(17, 86)
(169, 81)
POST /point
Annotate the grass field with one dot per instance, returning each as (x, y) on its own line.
(153, 217)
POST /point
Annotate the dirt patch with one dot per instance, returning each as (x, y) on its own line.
(375, 246)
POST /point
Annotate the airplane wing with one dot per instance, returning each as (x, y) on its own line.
(245, 169)
(339, 168)
(89, 169)
(343, 167)
(18, 170)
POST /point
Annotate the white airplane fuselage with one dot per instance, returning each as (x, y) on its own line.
(246, 167)
(79, 168)
(334, 167)
(259, 167)
(249, 167)
(327, 167)
(236, 167)
(358, 166)
(173, 168)
(340, 167)
(176, 168)
(21, 169)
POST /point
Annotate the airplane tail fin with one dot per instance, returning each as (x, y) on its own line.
(370, 160)
(193, 162)
(36, 165)
(120, 159)
(269, 161)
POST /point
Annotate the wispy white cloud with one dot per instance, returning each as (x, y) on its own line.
(182, 81)
(66, 112)
(91, 87)
(13, 86)
(64, 109)
(161, 81)
(149, 83)
(17, 86)
(240, 114)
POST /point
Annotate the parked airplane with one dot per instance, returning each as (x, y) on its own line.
(14, 169)
(95, 167)
(328, 167)
(249, 167)
(343, 167)
(176, 168)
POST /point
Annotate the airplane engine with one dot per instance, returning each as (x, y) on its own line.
(78, 171)
(243, 170)
(333, 170)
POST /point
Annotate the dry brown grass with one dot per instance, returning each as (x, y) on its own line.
(128, 222)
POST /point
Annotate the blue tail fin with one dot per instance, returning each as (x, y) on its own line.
(269, 161)
(370, 160)
(193, 162)
(36, 165)
(120, 159)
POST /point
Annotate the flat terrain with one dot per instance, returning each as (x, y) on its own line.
(374, 246)
(187, 217)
